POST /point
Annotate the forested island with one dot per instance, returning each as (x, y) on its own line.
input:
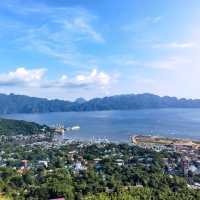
(35, 167)
(24, 104)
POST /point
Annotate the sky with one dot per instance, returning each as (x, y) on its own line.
(93, 48)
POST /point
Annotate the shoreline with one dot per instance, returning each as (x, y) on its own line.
(161, 140)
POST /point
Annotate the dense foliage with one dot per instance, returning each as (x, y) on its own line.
(141, 177)
(24, 104)
(10, 127)
(147, 194)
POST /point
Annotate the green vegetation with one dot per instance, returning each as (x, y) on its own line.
(147, 194)
(34, 167)
(140, 177)
(10, 127)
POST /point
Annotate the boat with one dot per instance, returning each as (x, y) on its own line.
(75, 128)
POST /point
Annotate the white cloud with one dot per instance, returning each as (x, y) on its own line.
(22, 76)
(82, 25)
(27, 75)
(100, 78)
(36, 78)
(154, 20)
(175, 45)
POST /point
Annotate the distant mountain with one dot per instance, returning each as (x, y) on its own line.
(24, 104)
(80, 100)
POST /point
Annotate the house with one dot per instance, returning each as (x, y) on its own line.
(119, 162)
(97, 160)
(193, 169)
(43, 163)
(24, 163)
(79, 167)
(99, 167)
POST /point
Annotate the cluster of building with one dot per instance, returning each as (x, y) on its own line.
(187, 161)
(24, 139)
(74, 161)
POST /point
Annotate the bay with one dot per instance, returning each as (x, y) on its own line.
(120, 125)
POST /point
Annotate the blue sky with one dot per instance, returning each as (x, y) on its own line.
(67, 49)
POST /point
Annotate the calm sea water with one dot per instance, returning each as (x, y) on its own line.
(120, 125)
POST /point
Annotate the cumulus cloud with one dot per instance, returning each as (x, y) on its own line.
(22, 76)
(100, 78)
(36, 78)
(93, 79)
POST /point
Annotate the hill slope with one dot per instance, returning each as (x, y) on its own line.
(17, 127)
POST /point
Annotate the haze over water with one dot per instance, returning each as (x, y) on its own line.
(120, 125)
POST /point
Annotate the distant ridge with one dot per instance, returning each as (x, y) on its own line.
(24, 104)
(80, 100)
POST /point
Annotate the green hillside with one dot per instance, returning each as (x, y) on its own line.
(16, 127)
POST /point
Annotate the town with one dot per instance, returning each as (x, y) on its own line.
(186, 163)
(36, 154)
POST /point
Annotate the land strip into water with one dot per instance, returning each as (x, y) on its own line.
(149, 139)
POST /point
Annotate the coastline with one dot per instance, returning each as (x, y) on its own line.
(137, 139)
